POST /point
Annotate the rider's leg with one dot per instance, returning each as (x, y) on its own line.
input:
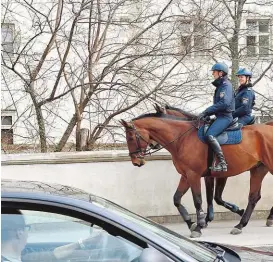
(245, 120)
(218, 126)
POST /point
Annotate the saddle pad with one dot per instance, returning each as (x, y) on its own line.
(226, 138)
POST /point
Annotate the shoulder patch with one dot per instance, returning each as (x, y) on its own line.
(222, 94)
(245, 100)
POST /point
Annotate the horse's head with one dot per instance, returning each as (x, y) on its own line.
(137, 141)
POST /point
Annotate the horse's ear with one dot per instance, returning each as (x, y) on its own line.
(159, 109)
(156, 107)
(125, 124)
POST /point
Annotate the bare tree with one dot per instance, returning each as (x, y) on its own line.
(94, 57)
(85, 64)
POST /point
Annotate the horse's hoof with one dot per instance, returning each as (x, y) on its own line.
(235, 231)
(269, 222)
(193, 226)
(205, 226)
(195, 234)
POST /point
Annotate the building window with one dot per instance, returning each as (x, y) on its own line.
(7, 123)
(7, 136)
(192, 38)
(258, 37)
(7, 33)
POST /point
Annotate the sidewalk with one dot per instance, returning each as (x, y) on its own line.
(255, 234)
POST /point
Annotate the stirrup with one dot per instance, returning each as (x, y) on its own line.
(220, 167)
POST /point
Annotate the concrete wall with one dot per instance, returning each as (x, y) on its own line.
(147, 190)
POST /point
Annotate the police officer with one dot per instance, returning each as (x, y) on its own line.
(223, 107)
(244, 98)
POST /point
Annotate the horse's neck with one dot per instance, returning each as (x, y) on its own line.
(176, 113)
(181, 113)
(166, 132)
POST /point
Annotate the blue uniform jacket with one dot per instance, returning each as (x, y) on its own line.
(223, 99)
(244, 101)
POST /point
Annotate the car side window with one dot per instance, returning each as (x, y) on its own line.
(46, 236)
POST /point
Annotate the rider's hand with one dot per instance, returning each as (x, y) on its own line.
(93, 240)
(201, 116)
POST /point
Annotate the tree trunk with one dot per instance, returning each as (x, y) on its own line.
(41, 125)
(83, 135)
(66, 134)
(78, 135)
(39, 117)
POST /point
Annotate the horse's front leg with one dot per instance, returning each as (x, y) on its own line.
(181, 191)
(209, 182)
(195, 183)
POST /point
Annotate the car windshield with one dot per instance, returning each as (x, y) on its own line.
(193, 249)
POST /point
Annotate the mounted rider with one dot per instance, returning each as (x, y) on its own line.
(244, 98)
(223, 108)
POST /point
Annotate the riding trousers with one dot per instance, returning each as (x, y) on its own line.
(245, 120)
(218, 126)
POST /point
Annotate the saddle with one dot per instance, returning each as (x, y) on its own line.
(231, 136)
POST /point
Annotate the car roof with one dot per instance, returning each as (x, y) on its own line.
(9, 185)
(60, 194)
(70, 196)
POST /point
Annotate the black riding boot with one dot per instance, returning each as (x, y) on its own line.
(222, 165)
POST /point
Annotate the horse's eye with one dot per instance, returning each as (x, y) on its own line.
(130, 139)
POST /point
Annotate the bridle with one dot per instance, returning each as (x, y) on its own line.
(139, 151)
(143, 152)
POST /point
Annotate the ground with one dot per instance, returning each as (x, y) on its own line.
(256, 236)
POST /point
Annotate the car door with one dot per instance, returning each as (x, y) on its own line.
(63, 233)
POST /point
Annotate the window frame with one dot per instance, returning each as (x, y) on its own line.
(257, 34)
(88, 216)
(10, 54)
(192, 34)
(12, 114)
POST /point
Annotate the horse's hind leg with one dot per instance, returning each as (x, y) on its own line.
(269, 221)
(257, 175)
(220, 185)
(181, 190)
(209, 182)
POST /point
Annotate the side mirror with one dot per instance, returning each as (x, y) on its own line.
(152, 255)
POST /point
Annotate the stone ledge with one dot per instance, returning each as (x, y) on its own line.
(218, 216)
(76, 157)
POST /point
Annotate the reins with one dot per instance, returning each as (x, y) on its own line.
(148, 151)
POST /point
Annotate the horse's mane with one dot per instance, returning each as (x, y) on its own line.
(187, 114)
(161, 116)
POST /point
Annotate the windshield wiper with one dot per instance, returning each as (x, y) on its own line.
(220, 257)
(218, 250)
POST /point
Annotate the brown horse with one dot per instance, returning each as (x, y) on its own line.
(254, 153)
(209, 181)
